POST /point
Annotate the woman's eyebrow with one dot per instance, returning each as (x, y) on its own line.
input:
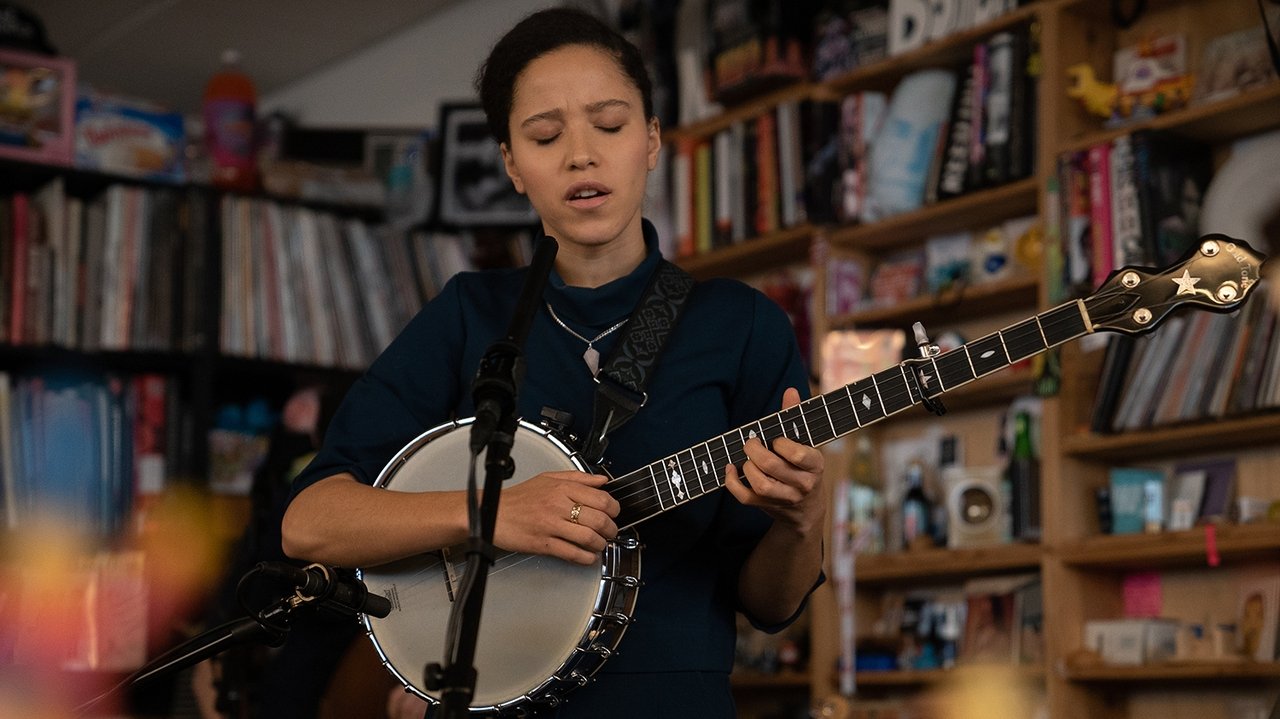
(557, 115)
(596, 108)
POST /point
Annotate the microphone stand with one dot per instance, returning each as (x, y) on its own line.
(493, 432)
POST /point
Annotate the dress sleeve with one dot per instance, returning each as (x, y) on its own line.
(410, 388)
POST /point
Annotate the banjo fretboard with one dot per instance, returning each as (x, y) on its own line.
(693, 472)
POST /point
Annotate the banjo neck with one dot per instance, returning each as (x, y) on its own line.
(691, 473)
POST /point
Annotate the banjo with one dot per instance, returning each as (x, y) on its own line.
(563, 621)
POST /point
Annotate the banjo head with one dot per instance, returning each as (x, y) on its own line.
(544, 620)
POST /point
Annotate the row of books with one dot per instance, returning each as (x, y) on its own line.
(1133, 200)
(726, 51)
(306, 286)
(940, 134)
(850, 34)
(1194, 367)
(744, 181)
(81, 449)
(120, 271)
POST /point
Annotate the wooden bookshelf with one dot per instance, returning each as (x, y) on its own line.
(799, 90)
(780, 681)
(1215, 435)
(1249, 112)
(1224, 671)
(931, 565)
(1190, 548)
(974, 210)
(971, 300)
(757, 254)
(927, 677)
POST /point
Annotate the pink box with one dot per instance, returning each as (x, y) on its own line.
(37, 107)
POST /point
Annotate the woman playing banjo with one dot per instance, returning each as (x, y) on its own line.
(569, 102)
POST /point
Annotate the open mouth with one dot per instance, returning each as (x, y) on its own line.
(586, 193)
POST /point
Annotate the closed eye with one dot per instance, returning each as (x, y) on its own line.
(612, 130)
(546, 140)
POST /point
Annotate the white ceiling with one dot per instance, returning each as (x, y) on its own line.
(165, 50)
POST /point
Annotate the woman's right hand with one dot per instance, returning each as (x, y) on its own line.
(538, 516)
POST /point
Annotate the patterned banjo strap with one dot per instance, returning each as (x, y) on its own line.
(620, 384)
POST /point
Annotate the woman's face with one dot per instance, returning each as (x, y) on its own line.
(581, 146)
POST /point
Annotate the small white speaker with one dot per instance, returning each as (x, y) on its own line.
(975, 507)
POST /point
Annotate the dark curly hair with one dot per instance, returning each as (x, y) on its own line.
(537, 35)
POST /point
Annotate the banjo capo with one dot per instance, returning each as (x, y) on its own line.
(927, 350)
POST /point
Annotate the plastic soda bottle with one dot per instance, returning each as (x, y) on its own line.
(230, 103)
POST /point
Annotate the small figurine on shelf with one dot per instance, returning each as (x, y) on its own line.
(1097, 97)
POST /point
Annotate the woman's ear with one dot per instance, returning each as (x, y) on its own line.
(509, 163)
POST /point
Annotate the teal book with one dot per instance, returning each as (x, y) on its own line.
(1131, 491)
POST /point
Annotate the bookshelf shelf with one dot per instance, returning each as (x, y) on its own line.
(84, 181)
(737, 113)
(930, 565)
(1232, 543)
(754, 255)
(235, 365)
(975, 300)
(1249, 112)
(786, 680)
(17, 356)
(928, 677)
(1209, 671)
(1182, 439)
(984, 207)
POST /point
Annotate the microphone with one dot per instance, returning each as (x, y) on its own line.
(501, 369)
(325, 586)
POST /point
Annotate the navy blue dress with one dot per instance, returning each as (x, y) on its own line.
(725, 365)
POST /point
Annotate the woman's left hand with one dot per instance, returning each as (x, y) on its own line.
(785, 481)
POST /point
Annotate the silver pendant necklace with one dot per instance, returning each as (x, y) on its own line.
(592, 355)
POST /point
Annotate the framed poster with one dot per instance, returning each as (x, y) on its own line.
(474, 187)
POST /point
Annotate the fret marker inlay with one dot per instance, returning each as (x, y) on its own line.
(673, 476)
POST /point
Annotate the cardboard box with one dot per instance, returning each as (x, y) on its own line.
(129, 137)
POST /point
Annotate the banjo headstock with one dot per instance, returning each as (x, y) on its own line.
(1216, 275)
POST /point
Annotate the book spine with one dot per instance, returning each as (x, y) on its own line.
(998, 108)
(1100, 212)
(953, 175)
(21, 252)
(703, 187)
(682, 194)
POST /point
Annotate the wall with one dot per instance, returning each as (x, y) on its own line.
(401, 82)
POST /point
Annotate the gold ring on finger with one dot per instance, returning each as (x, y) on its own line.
(573, 513)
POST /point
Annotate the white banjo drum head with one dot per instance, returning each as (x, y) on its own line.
(536, 608)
